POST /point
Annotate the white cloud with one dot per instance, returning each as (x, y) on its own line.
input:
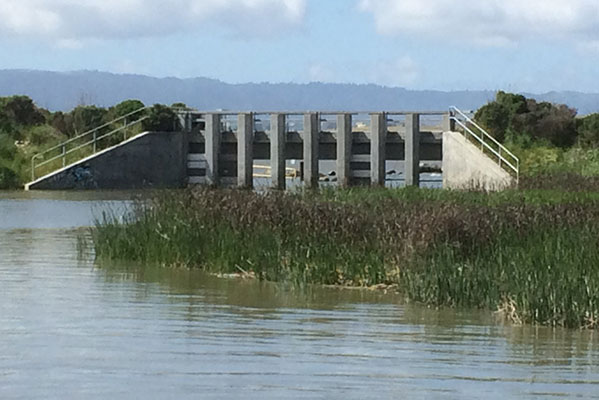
(318, 72)
(591, 46)
(487, 22)
(403, 71)
(76, 20)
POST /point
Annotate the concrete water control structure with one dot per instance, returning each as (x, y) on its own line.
(222, 148)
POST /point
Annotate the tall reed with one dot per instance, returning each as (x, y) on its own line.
(533, 258)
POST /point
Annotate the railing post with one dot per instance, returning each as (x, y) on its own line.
(277, 150)
(412, 150)
(378, 138)
(32, 168)
(344, 142)
(448, 122)
(212, 136)
(64, 155)
(95, 144)
(311, 144)
(245, 154)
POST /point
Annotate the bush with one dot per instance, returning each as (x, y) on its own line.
(517, 118)
(588, 130)
(124, 108)
(22, 110)
(40, 135)
(8, 150)
(161, 119)
(8, 179)
(85, 118)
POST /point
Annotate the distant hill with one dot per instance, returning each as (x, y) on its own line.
(65, 90)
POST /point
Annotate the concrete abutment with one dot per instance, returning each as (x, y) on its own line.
(215, 151)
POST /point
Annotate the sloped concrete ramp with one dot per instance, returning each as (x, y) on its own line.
(148, 160)
(465, 166)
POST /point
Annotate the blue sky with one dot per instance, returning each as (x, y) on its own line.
(516, 45)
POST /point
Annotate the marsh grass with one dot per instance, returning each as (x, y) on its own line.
(531, 254)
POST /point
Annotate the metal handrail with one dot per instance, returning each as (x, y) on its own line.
(513, 163)
(63, 146)
(97, 139)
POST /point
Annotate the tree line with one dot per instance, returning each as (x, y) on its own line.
(541, 132)
(26, 129)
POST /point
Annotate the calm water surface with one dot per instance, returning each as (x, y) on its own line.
(70, 329)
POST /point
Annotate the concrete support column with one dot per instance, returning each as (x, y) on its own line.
(212, 137)
(277, 150)
(378, 139)
(412, 150)
(311, 142)
(245, 153)
(344, 142)
(448, 123)
(185, 120)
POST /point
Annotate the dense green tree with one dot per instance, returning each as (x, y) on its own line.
(180, 105)
(8, 178)
(8, 150)
(161, 119)
(515, 103)
(496, 118)
(524, 120)
(124, 108)
(588, 130)
(17, 112)
(85, 118)
(62, 122)
(22, 110)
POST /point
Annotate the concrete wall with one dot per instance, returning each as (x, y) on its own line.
(148, 160)
(465, 166)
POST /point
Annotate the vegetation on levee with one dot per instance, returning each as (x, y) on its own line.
(548, 138)
(530, 254)
(26, 129)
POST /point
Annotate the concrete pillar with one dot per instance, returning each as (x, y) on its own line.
(245, 153)
(212, 136)
(185, 120)
(277, 150)
(378, 138)
(412, 150)
(311, 141)
(448, 123)
(344, 142)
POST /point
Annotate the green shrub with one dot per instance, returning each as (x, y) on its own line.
(43, 134)
(22, 110)
(520, 119)
(8, 179)
(8, 150)
(161, 119)
(124, 108)
(588, 130)
(85, 118)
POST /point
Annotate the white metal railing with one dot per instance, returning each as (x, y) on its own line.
(89, 138)
(505, 158)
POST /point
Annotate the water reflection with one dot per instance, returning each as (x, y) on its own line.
(74, 329)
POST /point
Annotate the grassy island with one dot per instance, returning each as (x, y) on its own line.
(530, 253)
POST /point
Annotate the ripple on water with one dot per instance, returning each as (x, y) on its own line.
(72, 330)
